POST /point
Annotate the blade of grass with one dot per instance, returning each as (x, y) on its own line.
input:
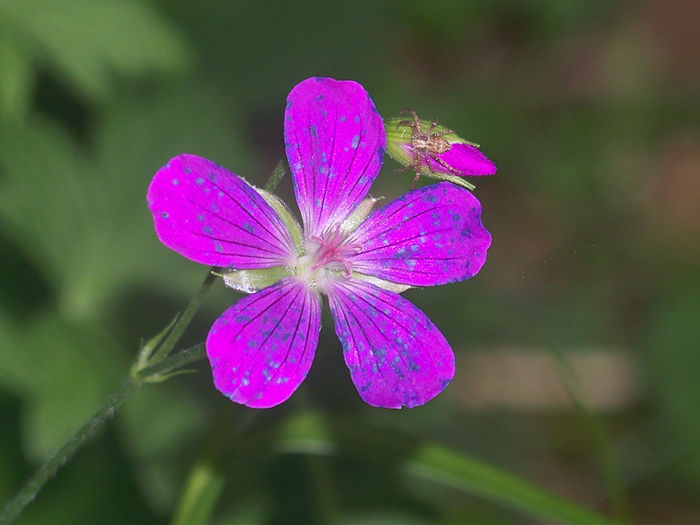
(311, 433)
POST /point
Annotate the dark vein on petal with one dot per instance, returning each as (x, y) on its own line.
(254, 198)
(371, 321)
(283, 361)
(353, 193)
(379, 222)
(260, 352)
(237, 226)
(346, 176)
(399, 242)
(236, 243)
(328, 174)
(342, 308)
(435, 340)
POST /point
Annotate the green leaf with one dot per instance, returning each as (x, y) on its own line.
(202, 492)
(312, 434)
(150, 346)
(62, 370)
(160, 423)
(16, 76)
(85, 41)
(42, 200)
(383, 518)
(451, 468)
(84, 220)
(672, 346)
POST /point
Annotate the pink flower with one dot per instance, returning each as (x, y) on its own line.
(262, 347)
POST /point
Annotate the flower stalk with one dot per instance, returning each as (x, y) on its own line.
(158, 348)
(14, 507)
(156, 372)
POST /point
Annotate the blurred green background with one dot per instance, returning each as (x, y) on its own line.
(589, 109)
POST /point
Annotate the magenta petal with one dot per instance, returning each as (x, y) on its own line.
(335, 142)
(432, 235)
(461, 159)
(262, 347)
(212, 216)
(465, 159)
(396, 356)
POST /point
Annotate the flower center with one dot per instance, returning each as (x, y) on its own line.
(332, 251)
(326, 256)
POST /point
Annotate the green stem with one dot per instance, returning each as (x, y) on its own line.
(206, 480)
(323, 489)
(172, 363)
(16, 505)
(158, 369)
(183, 320)
(202, 491)
(617, 497)
(277, 174)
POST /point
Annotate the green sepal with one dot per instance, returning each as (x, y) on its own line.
(358, 215)
(396, 133)
(454, 179)
(286, 216)
(159, 378)
(147, 349)
(249, 281)
(381, 283)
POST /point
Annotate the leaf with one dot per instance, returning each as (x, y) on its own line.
(672, 346)
(16, 76)
(311, 434)
(85, 41)
(42, 200)
(202, 492)
(156, 427)
(84, 220)
(138, 136)
(450, 468)
(62, 370)
(383, 518)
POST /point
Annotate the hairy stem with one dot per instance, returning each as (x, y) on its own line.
(158, 369)
(16, 505)
(277, 174)
(172, 363)
(183, 321)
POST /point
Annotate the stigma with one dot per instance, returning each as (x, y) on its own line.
(326, 256)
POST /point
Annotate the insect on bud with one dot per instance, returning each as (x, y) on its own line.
(434, 150)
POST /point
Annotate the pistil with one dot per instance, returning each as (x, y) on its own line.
(333, 248)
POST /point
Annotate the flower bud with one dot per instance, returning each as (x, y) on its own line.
(435, 151)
